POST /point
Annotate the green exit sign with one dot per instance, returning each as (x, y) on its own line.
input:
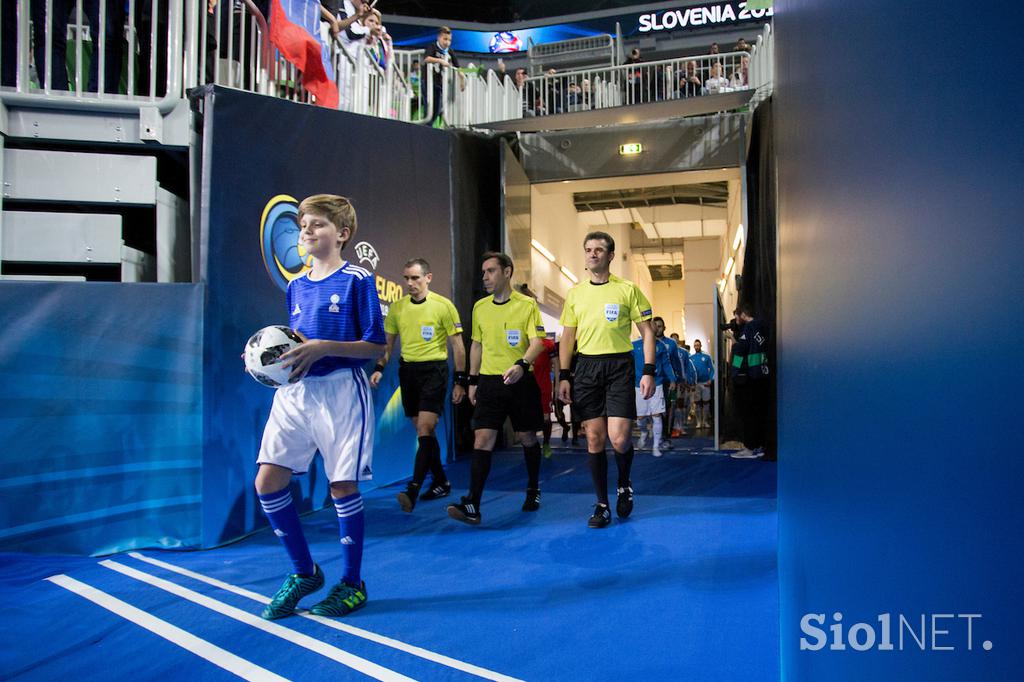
(630, 149)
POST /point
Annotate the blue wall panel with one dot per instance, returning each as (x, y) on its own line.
(900, 164)
(397, 176)
(100, 416)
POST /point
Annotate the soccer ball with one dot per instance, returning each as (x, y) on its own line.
(263, 351)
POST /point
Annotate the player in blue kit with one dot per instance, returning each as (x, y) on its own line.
(335, 308)
(704, 369)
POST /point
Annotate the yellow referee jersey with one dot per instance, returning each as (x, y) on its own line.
(504, 330)
(603, 314)
(424, 326)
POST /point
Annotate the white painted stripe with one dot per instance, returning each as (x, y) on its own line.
(305, 641)
(343, 627)
(186, 640)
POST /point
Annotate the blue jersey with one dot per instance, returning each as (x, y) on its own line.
(341, 307)
(704, 367)
(689, 371)
(673, 354)
(663, 371)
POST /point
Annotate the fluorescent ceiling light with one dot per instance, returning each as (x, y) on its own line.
(568, 273)
(543, 251)
(729, 266)
(738, 239)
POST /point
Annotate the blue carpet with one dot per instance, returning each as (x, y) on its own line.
(684, 589)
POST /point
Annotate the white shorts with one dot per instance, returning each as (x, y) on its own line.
(332, 414)
(702, 393)
(653, 405)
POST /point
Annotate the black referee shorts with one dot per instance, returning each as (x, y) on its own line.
(603, 387)
(520, 402)
(424, 385)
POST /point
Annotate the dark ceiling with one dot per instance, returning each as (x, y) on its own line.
(497, 11)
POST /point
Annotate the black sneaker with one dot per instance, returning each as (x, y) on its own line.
(602, 516)
(532, 502)
(624, 505)
(465, 511)
(407, 498)
(437, 491)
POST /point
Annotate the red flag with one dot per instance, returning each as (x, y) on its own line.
(290, 35)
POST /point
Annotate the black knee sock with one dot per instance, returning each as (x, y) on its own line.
(547, 432)
(436, 465)
(531, 453)
(625, 462)
(599, 474)
(478, 472)
(422, 464)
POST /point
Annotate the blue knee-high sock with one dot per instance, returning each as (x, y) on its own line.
(350, 528)
(284, 519)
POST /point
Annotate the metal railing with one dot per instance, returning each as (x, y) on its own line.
(154, 50)
(477, 99)
(120, 58)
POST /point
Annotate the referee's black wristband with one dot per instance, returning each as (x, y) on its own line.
(524, 364)
(461, 379)
(564, 375)
(378, 368)
(474, 379)
(648, 369)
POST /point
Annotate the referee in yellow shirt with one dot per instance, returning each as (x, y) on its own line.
(507, 338)
(428, 325)
(598, 315)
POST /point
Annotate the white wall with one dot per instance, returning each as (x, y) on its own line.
(555, 225)
(701, 258)
(668, 300)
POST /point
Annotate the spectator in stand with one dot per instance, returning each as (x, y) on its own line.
(741, 46)
(716, 82)
(414, 83)
(552, 103)
(440, 58)
(345, 21)
(58, 74)
(531, 103)
(740, 77)
(689, 82)
(635, 80)
(574, 97)
(585, 95)
(713, 49)
(9, 47)
(378, 41)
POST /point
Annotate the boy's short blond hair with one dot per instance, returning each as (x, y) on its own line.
(338, 209)
(444, 30)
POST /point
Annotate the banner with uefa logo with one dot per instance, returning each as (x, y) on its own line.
(262, 156)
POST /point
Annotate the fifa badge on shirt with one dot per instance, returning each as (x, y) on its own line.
(513, 336)
(427, 332)
(334, 303)
(611, 311)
